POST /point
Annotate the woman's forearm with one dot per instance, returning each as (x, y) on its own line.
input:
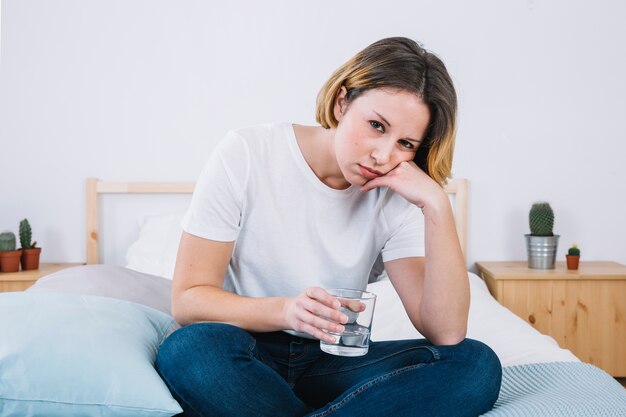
(211, 304)
(446, 297)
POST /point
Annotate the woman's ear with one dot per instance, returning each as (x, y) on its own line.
(341, 104)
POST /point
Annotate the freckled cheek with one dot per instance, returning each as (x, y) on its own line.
(355, 147)
(356, 141)
(359, 139)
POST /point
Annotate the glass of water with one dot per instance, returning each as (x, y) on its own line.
(359, 307)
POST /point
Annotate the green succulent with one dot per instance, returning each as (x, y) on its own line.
(25, 235)
(541, 219)
(7, 241)
(573, 251)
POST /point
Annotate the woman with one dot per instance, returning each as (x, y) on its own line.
(281, 212)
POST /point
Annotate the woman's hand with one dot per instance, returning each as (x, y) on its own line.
(408, 180)
(314, 310)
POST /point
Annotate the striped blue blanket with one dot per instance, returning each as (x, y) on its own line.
(558, 389)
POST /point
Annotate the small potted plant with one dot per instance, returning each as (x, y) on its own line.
(573, 257)
(541, 243)
(30, 253)
(9, 256)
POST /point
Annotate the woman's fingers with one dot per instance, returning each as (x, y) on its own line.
(410, 182)
(374, 183)
(318, 311)
(321, 310)
(317, 333)
(353, 305)
(322, 296)
(320, 322)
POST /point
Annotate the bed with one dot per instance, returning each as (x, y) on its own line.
(82, 341)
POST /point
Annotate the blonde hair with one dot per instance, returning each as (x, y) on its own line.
(401, 64)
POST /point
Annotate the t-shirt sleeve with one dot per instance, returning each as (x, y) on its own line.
(218, 198)
(407, 239)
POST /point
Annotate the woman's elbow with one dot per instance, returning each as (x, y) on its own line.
(448, 341)
(179, 312)
(449, 338)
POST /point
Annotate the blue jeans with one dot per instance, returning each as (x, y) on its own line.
(215, 369)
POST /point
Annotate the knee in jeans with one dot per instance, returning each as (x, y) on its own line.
(483, 369)
(189, 345)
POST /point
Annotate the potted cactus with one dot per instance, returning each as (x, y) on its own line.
(9, 256)
(573, 257)
(30, 253)
(541, 243)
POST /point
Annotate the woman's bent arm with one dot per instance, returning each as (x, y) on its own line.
(435, 290)
(197, 296)
(197, 293)
(446, 296)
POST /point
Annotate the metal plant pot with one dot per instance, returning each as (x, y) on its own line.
(541, 251)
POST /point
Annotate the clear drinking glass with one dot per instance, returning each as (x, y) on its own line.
(359, 307)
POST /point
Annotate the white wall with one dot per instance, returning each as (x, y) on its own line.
(142, 90)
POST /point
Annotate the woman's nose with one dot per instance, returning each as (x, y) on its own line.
(382, 153)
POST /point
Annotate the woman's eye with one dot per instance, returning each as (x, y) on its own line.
(406, 144)
(377, 125)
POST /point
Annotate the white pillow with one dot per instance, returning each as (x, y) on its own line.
(154, 251)
(512, 339)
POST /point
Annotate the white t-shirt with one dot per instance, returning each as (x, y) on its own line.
(292, 231)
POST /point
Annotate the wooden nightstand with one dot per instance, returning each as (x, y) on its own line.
(583, 310)
(19, 281)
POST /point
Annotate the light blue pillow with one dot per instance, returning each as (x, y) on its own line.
(70, 354)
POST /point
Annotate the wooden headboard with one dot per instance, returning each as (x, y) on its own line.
(456, 188)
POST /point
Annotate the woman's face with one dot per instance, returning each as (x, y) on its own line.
(377, 131)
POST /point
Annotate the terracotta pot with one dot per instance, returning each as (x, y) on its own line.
(30, 258)
(572, 261)
(10, 261)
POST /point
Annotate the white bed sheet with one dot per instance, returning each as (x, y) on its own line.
(512, 339)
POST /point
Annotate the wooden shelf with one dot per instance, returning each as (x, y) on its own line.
(21, 280)
(594, 270)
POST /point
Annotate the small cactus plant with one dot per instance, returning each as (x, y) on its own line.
(26, 235)
(541, 219)
(7, 241)
(573, 251)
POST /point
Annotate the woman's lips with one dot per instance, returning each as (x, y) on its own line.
(369, 173)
